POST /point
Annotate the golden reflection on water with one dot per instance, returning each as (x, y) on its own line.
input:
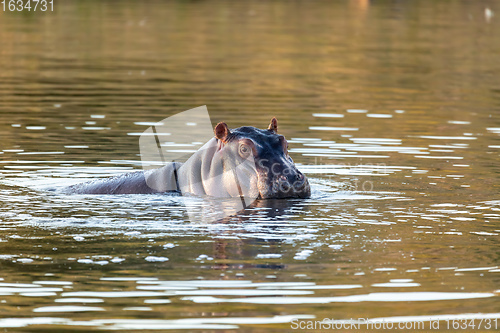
(401, 97)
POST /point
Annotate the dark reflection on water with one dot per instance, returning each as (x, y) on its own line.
(391, 108)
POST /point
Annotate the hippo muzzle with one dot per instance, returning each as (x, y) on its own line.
(279, 178)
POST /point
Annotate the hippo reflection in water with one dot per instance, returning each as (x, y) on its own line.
(272, 173)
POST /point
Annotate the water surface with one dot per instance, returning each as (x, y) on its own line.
(391, 109)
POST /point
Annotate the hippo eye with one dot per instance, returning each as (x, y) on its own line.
(285, 147)
(284, 144)
(244, 150)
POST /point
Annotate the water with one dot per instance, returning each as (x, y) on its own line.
(391, 109)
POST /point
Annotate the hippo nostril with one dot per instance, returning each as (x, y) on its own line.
(285, 186)
(283, 183)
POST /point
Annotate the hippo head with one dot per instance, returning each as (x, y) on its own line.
(273, 174)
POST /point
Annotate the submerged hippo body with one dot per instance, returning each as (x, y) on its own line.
(209, 171)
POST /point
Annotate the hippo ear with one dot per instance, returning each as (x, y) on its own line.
(273, 126)
(222, 131)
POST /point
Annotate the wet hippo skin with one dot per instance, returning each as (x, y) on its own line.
(272, 173)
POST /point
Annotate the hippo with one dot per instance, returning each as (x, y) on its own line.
(271, 175)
